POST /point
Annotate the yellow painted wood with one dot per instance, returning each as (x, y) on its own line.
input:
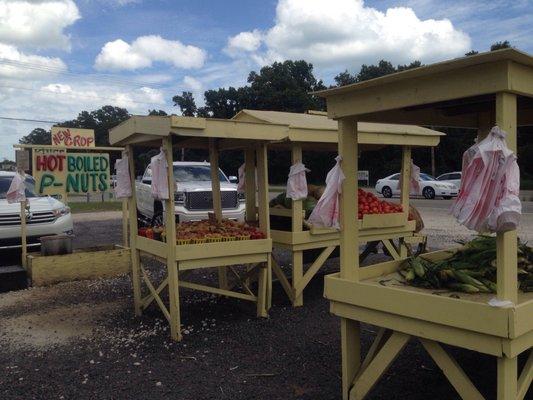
(223, 249)
(521, 322)
(49, 146)
(406, 179)
(223, 261)
(377, 367)
(392, 250)
(506, 243)
(381, 338)
(147, 300)
(487, 344)
(222, 292)
(297, 275)
(172, 267)
(150, 246)
(250, 184)
(313, 269)
(125, 223)
(297, 226)
(155, 295)
(23, 233)
(455, 374)
(526, 377)
(351, 353)
(507, 375)
(296, 211)
(349, 239)
(132, 210)
(265, 275)
(93, 263)
(285, 284)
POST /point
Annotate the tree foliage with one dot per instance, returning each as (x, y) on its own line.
(186, 103)
(500, 45)
(37, 136)
(367, 72)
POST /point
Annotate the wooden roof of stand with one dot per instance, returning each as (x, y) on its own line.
(449, 93)
(314, 130)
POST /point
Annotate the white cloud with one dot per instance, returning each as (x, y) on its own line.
(244, 42)
(348, 32)
(143, 51)
(38, 24)
(192, 83)
(15, 64)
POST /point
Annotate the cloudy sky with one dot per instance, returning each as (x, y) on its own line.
(58, 57)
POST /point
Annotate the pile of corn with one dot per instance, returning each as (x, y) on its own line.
(472, 269)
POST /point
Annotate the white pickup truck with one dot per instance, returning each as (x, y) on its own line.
(193, 197)
(44, 216)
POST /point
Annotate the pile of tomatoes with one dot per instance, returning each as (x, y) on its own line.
(368, 203)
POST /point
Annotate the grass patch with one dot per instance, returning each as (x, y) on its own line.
(95, 206)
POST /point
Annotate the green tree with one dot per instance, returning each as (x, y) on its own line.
(375, 71)
(345, 78)
(471, 53)
(186, 103)
(159, 113)
(414, 64)
(500, 45)
(37, 136)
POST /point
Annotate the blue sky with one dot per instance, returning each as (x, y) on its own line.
(58, 57)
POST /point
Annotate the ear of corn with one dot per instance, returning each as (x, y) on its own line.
(472, 269)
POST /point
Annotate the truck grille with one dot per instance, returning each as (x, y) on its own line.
(37, 217)
(204, 200)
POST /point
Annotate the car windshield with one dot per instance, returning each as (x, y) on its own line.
(195, 173)
(5, 182)
(426, 177)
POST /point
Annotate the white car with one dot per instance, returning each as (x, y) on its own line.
(429, 187)
(193, 197)
(44, 216)
(451, 177)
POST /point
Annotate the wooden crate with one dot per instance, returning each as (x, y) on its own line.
(90, 263)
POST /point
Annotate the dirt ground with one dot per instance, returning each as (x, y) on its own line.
(80, 340)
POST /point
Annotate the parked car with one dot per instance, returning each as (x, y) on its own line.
(44, 216)
(451, 177)
(429, 187)
(193, 197)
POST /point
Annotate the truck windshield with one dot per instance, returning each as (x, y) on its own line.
(195, 173)
(5, 182)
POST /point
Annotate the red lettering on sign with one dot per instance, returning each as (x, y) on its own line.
(40, 163)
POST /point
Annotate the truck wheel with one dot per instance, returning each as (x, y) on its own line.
(157, 219)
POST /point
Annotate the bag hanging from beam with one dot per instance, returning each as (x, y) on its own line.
(297, 182)
(159, 167)
(123, 182)
(17, 189)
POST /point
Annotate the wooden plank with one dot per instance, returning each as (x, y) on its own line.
(313, 269)
(221, 292)
(297, 208)
(522, 322)
(297, 275)
(377, 367)
(460, 313)
(250, 185)
(172, 267)
(264, 279)
(506, 242)
(150, 246)
(223, 249)
(215, 180)
(350, 353)
(125, 222)
(222, 261)
(507, 376)
(349, 235)
(381, 338)
(108, 263)
(156, 296)
(406, 180)
(391, 249)
(23, 234)
(132, 209)
(455, 374)
(526, 377)
(470, 340)
(282, 279)
(147, 300)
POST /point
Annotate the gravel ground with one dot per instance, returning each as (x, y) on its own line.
(80, 340)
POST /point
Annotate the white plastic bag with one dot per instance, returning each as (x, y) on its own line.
(297, 182)
(490, 184)
(123, 181)
(17, 190)
(326, 212)
(241, 185)
(414, 180)
(159, 166)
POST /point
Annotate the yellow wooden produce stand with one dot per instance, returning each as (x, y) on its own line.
(477, 91)
(315, 132)
(215, 135)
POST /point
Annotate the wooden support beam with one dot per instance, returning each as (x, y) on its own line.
(285, 284)
(296, 210)
(406, 179)
(297, 275)
(155, 296)
(507, 378)
(451, 369)
(377, 367)
(506, 242)
(146, 301)
(135, 259)
(297, 226)
(391, 249)
(264, 287)
(313, 269)
(349, 234)
(241, 281)
(249, 183)
(172, 266)
(125, 222)
(214, 290)
(381, 338)
(350, 352)
(526, 377)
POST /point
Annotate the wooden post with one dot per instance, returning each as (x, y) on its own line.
(135, 257)
(351, 354)
(349, 235)
(217, 204)
(249, 183)
(297, 222)
(172, 266)
(264, 287)
(23, 231)
(507, 378)
(125, 223)
(506, 246)
(406, 180)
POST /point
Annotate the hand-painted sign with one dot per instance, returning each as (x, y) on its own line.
(58, 173)
(72, 137)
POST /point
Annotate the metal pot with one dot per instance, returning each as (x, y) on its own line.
(55, 245)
